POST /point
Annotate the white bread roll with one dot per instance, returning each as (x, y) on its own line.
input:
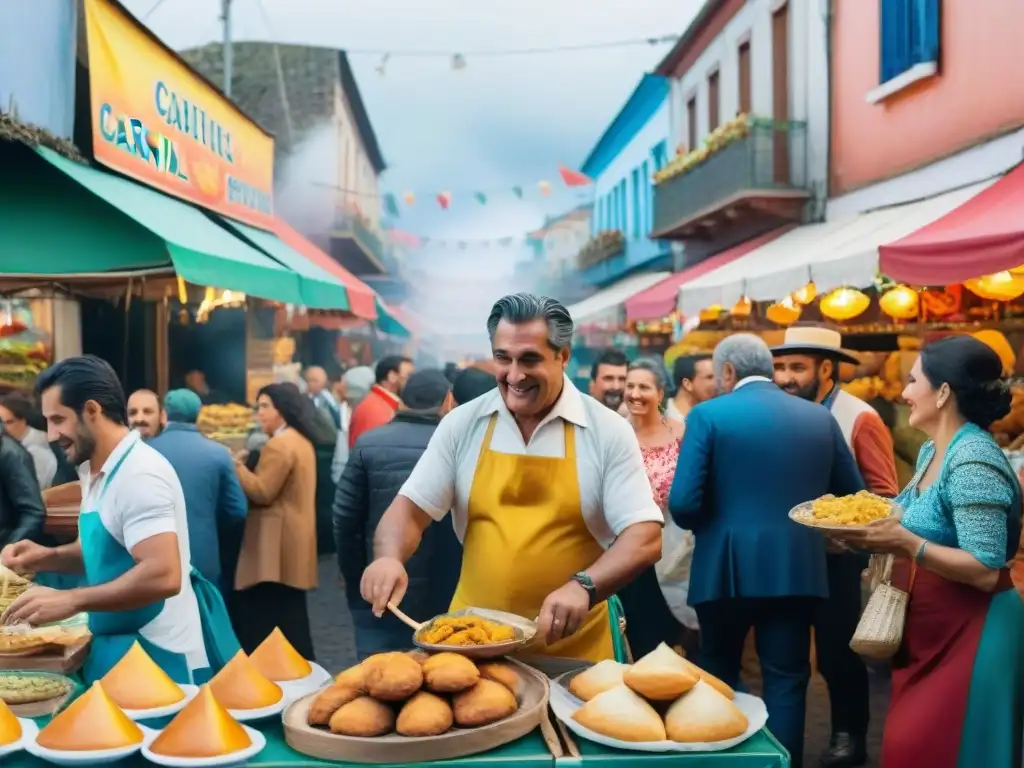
(704, 715)
(601, 677)
(661, 675)
(620, 714)
(711, 680)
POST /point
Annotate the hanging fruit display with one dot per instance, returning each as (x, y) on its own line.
(844, 304)
(900, 303)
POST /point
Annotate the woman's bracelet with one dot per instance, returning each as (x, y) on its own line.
(919, 557)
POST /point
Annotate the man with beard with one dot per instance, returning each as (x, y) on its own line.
(547, 489)
(695, 383)
(133, 536)
(381, 403)
(807, 366)
(608, 378)
(145, 413)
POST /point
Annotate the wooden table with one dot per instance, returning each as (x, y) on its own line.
(62, 521)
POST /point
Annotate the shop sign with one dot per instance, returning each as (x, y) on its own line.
(155, 120)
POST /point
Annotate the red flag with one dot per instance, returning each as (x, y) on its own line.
(444, 199)
(574, 178)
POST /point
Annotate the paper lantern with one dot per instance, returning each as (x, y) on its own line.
(806, 295)
(998, 343)
(1001, 286)
(785, 312)
(844, 304)
(1017, 270)
(899, 303)
(742, 308)
(710, 314)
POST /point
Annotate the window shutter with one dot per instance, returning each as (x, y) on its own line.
(925, 31)
(894, 19)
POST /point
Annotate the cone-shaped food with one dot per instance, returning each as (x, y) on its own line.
(204, 728)
(93, 722)
(704, 715)
(661, 675)
(711, 680)
(10, 728)
(598, 679)
(239, 685)
(137, 682)
(278, 660)
(618, 713)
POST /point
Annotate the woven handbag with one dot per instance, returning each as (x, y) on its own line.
(879, 632)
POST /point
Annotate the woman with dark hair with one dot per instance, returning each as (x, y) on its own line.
(17, 412)
(277, 563)
(957, 696)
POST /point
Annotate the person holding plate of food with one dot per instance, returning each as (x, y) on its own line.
(548, 491)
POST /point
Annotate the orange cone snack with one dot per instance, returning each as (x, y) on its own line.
(239, 685)
(93, 722)
(10, 728)
(136, 682)
(204, 728)
(278, 660)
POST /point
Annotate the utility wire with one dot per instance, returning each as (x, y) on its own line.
(282, 88)
(153, 9)
(540, 50)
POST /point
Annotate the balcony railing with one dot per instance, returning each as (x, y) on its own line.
(601, 247)
(350, 225)
(747, 157)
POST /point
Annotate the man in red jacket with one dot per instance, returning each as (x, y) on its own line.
(379, 406)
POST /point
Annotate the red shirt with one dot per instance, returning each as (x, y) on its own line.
(376, 410)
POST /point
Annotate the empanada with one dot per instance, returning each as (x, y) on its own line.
(353, 677)
(504, 673)
(425, 714)
(330, 700)
(619, 713)
(449, 673)
(392, 676)
(486, 702)
(704, 715)
(364, 717)
(601, 677)
(661, 675)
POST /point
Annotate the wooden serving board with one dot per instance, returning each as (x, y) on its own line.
(64, 660)
(458, 742)
(62, 520)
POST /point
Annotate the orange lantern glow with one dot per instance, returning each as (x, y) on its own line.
(844, 304)
(1001, 286)
(806, 295)
(742, 308)
(785, 312)
(710, 314)
(1017, 270)
(900, 303)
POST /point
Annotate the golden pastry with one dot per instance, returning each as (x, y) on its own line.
(425, 714)
(204, 728)
(10, 728)
(486, 702)
(597, 679)
(240, 685)
(449, 673)
(330, 700)
(278, 660)
(392, 676)
(93, 722)
(704, 715)
(711, 680)
(504, 673)
(365, 717)
(661, 675)
(353, 677)
(136, 682)
(619, 713)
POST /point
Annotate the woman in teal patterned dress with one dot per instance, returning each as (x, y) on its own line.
(958, 681)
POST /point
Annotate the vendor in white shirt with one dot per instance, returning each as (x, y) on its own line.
(133, 536)
(547, 488)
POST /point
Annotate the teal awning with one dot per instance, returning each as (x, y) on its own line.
(320, 289)
(201, 251)
(388, 323)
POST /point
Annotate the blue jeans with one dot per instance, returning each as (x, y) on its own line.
(373, 635)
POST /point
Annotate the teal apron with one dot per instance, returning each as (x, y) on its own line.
(114, 632)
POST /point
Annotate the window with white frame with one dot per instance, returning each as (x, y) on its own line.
(909, 32)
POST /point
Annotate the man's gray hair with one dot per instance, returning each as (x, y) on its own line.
(747, 353)
(519, 308)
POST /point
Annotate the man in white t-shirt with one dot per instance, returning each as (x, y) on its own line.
(133, 534)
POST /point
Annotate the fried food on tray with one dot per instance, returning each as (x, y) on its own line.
(10, 728)
(425, 714)
(704, 715)
(419, 654)
(204, 728)
(353, 677)
(330, 700)
(449, 673)
(661, 675)
(621, 714)
(484, 703)
(365, 717)
(859, 508)
(28, 688)
(465, 631)
(392, 676)
(601, 677)
(504, 673)
(93, 722)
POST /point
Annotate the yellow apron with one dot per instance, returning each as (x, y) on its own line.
(525, 538)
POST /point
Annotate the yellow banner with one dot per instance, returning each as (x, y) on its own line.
(155, 120)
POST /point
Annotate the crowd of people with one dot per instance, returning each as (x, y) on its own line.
(652, 510)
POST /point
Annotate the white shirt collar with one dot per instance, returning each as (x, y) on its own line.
(569, 406)
(750, 380)
(85, 470)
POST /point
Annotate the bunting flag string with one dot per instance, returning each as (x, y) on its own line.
(411, 241)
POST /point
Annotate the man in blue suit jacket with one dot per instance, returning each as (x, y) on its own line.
(746, 460)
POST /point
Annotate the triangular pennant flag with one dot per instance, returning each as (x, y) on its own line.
(425, 240)
(462, 245)
(480, 198)
(391, 206)
(518, 192)
(484, 244)
(574, 178)
(444, 199)
(505, 242)
(409, 198)
(544, 187)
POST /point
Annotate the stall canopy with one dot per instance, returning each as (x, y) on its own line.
(605, 306)
(982, 236)
(362, 298)
(833, 254)
(388, 320)
(660, 299)
(200, 251)
(320, 290)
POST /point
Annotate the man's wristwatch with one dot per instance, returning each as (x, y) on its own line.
(587, 583)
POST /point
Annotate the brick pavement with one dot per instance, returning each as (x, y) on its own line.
(335, 649)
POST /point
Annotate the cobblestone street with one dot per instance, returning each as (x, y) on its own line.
(335, 648)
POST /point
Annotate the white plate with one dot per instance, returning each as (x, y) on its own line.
(249, 715)
(190, 692)
(97, 757)
(314, 681)
(803, 515)
(564, 705)
(29, 731)
(259, 741)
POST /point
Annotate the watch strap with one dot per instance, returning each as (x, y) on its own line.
(587, 583)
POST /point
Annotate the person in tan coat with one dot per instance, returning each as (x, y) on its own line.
(277, 563)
